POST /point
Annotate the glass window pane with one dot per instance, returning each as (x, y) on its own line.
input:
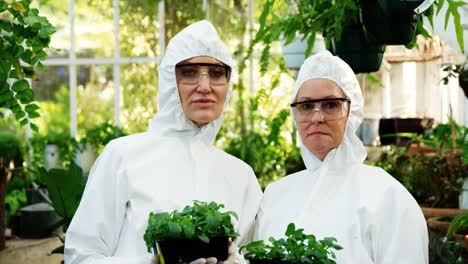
(179, 14)
(94, 29)
(139, 29)
(227, 16)
(95, 96)
(56, 12)
(53, 96)
(139, 86)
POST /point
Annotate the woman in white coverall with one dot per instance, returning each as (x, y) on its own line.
(372, 216)
(170, 165)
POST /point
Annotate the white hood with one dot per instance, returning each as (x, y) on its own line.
(198, 39)
(324, 65)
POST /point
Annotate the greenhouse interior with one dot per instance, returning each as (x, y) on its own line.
(113, 144)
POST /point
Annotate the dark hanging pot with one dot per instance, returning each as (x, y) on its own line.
(390, 22)
(463, 78)
(355, 49)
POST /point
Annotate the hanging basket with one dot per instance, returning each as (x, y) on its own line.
(355, 49)
(390, 22)
(463, 78)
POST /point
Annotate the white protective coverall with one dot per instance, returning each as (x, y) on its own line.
(374, 218)
(163, 169)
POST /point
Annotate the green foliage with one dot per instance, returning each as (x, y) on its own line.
(65, 187)
(10, 148)
(459, 222)
(202, 220)
(24, 35)
(101, 134)
(307, 18)
(260, 131)
(297, 247)
(14, 200)
(39, 142)
(433, 178)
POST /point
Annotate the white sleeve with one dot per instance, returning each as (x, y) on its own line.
(93, 234)
(251, 204)
(401, 234)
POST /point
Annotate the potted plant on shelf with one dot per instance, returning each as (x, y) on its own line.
(198, 231)
(296, 247)
(435, 178)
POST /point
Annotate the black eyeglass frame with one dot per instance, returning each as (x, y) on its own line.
(343, 99)
(226, 67)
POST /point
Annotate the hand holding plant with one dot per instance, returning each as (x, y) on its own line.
(198, 231)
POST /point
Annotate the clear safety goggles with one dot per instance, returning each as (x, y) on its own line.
(191, 73)
(330, 109)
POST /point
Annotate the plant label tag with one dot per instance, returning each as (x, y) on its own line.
(423, 6)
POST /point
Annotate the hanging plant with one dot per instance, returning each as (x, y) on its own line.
(288, 19)
(24, 35)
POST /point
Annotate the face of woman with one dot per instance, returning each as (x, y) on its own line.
(203, 84)
(321, 131)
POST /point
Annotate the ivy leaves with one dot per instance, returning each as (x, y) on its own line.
(202, 220)
(24, 35)
(297, 247)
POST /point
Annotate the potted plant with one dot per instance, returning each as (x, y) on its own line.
(355, 48)
(296, 247)
(198, 231)
(391, 22)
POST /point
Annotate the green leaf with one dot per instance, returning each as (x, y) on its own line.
(26, 56)
(46, 31)
(18, 7)
(458, 29)
(6, 25)
(20, 85)
(33, 115)
(65, 189)
(23, 122)
(34, 127)
(204, 238)
(31, 107)
(174, 229)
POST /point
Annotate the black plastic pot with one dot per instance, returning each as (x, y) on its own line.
(390, 22)
(38, 220)
(187, 250)
(258, 261)
(354, 48)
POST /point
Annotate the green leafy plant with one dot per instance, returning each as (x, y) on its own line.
(458, 223)
(289, 19)
(24, 36)
(202, 220)
(101, 134)
(297, 247)
(65, 188)
(434, 178)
